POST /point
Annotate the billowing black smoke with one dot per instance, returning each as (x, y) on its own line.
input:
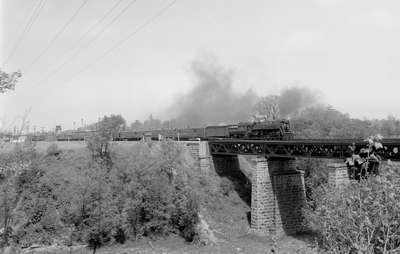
(293, 100)
(212, 100)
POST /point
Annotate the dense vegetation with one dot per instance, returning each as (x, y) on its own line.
(362, 217)
(71, 196)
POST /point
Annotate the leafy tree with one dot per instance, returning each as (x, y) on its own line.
(390, 127)
(268, 106)
(107, 128)
(8, 81)
(327, 122)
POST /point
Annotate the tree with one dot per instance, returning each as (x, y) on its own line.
(111, 125)
(268, 106)
(107, 128)
(327, 122)
(8, 81)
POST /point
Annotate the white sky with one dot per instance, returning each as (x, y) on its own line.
(347, 50)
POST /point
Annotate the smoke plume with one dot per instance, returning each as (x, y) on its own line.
(293, 100)
(212, 100)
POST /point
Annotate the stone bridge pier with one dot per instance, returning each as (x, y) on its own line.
(277, 197)
(277, 190)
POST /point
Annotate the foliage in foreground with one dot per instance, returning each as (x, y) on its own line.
(363, 217)
(68, 196)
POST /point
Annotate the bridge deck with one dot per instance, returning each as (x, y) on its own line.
(320, 148)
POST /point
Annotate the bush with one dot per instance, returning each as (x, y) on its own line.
(53, 150)
(160, 209)
(146, 192)
(158, 200)
(226, 186)
(363, 217)
(315, 174)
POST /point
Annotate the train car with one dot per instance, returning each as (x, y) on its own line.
(239, 130)
(217, 131)
(169, 134)
(74, 135)
(129, 135)
(38, 137)
(191, 133)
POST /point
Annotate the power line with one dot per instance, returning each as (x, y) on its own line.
(96, 36)
(32, 19)
(58, 34)
(121, 42)
(97, 23)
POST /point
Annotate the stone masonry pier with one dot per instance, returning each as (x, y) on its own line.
(278, 196)
(277, 189)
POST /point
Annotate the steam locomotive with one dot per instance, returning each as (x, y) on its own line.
(263, 130)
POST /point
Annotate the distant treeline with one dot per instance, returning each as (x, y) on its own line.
(326, 122)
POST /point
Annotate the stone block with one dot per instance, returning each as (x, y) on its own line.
(338, 174)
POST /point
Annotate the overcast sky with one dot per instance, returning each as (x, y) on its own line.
(347, 50)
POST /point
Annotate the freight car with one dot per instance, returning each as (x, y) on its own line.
(74, 135)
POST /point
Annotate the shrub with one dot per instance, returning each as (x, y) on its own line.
(146, 192)
(226, 186)
(160, 209)
(53, 150)
(315, 174)
(363, 217)
(185, 216)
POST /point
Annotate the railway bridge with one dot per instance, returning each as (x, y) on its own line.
(277, 186)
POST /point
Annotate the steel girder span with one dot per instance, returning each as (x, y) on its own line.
(319, 148)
